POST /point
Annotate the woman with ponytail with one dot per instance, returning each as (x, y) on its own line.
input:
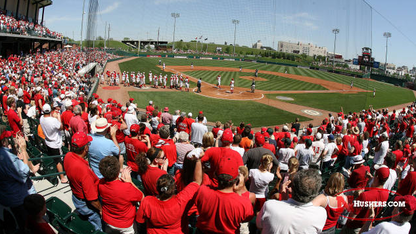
(260, 179)
(163, 213)
(152, 165)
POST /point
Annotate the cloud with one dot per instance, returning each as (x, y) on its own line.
(110, 8)
(302, 19)
(158, 2)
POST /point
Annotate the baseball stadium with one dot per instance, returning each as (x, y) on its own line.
(191, 116)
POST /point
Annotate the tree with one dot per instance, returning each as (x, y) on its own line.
(227, 50)
(100, 38)
(126, 39)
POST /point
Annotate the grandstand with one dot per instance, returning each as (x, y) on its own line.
(22, 30)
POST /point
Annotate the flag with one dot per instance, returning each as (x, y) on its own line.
(200, 37)
(196, 38)
(206, 38)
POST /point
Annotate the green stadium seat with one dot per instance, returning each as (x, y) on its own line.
(57, 209)
(138, 184)
(74, 224)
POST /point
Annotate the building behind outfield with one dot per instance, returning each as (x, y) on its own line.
(301, 48)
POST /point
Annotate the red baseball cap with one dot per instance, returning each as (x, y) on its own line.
(295, 140)
(410, 203)
(119, 105)
(80, 139)
(109, 100)
(276, 128)
(259, 139)
(263, 129)
(201, 112)
(166, 109)
(266, 135)
(135, 128)
(114, 101)
(227, 136)
(5, 88)
(100, 100)
(228, 165)
(131, 99)
(309, 131)
(293, 129)
(160, 125)
(383, 173)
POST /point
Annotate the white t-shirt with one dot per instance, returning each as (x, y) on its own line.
(198, 131)
(238, 149)
(291, 217)
(379, 156)
(330, 150)
(391, 180)
(130, 119)
(50, 127)
(391, 227)
(365, 146)
(318, 147)
(260, 182)
(284, 155)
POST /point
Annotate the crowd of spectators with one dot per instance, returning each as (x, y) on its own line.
(133, 172)
(10, 24)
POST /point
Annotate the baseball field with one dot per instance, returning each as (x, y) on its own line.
(282, 94)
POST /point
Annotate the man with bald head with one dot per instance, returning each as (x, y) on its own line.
(77, 124)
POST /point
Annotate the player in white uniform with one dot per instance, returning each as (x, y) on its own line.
(232, 85)
(187, 84)
(165, 80)
(133, 79)
(156, 83)
(176, 81)
(171, 81)
(117, 79)
(150, 78)
(219, 82)
(181, 83)
(164, 66)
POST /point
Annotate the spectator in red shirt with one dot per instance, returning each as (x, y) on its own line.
(135, 144)
(15, 119)
(119, 196)
(76, 123)
(152, 165)
(121, 126)
(407, 186)
(83, 181)
(361, 212)
(150, 108)
(164, 213)
(65, 118)
(240, 128)
(217, 128)
(222, 210)
(35, 206)
(358, 177)
(168, 146)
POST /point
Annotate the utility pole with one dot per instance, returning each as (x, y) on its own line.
(82, 22)
(157, 43)
(235, 22)
(105, 34)
(108, 37)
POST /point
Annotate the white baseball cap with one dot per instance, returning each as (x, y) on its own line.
(46, 108)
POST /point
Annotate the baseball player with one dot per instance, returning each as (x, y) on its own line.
(133, 78)
(187, 84)
(232, 85)
(117, 79)
(165, 79)
(155, 81)
(219, 82)
(241, 68)
(171, 81)
(150, 78)
(164, 66)
(352, 83)
(253, 86)
(181, 83)
(192, 65)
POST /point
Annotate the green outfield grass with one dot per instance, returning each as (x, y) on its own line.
(390, 96)
(216, 109)
(273, 82)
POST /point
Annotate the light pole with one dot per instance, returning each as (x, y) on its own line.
(334, 31)
(82, 21)
(386, 35)
(174, 15)
(235, 22)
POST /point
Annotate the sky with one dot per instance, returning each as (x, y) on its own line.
(306, 21)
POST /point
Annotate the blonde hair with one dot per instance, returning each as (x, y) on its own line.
(339, 140)
(335, 184)
(208, 140)
(293, 164)
(244, 171)
(265, 161)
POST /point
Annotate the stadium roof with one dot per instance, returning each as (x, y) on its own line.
(42, 3)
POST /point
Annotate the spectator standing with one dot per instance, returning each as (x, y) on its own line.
(15, 118)
(101, 146)
(182, 148)
(76, 123)
(130, 118)
(198, 129)
(152, 165)
(52, 127)
(83, 181)
(119, 196)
